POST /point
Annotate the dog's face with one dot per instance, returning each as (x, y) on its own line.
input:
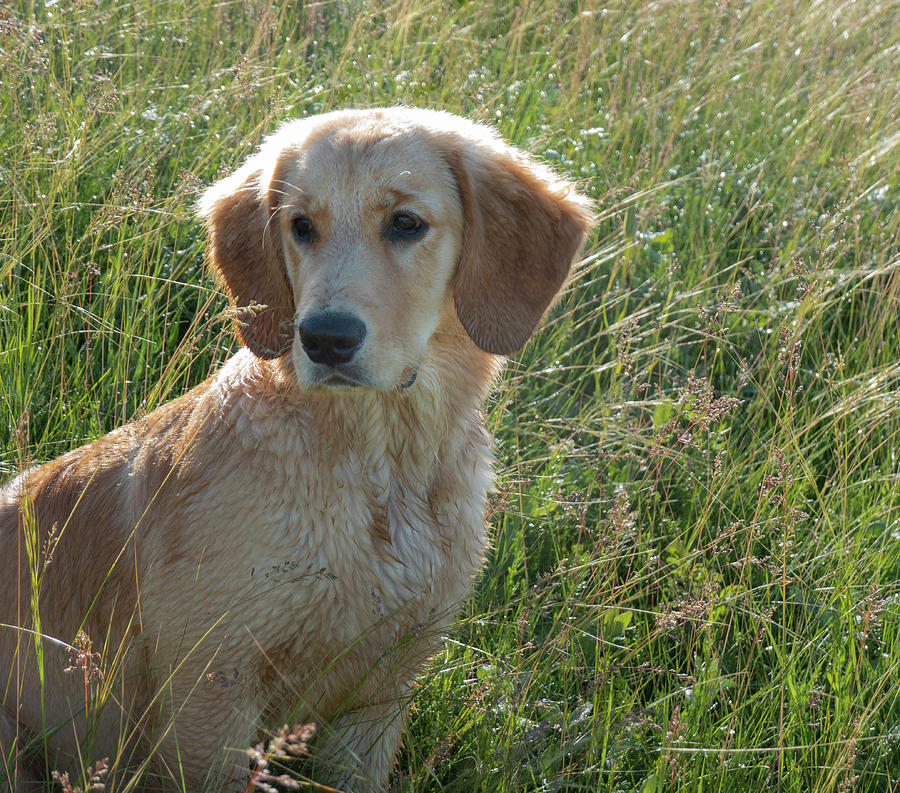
(349, 239)
(370, 229)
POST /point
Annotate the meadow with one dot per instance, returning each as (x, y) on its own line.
(694, 583)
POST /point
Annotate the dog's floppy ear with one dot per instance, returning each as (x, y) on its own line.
(245, 253)
(523, 228)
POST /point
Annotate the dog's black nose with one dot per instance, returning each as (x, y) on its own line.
(331, 338)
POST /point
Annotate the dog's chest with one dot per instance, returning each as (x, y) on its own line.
(331, 541)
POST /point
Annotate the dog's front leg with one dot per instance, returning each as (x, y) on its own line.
(357, 753)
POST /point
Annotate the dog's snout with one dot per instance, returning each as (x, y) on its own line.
(331, 338)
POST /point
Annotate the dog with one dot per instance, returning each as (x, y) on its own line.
(286, 541)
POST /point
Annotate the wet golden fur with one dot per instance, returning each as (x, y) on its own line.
(287, 540)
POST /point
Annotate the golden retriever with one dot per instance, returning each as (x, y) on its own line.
(286, 541)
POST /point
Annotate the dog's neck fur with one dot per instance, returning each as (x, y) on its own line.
(416, 428)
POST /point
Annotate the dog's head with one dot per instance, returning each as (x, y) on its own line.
(349, 238)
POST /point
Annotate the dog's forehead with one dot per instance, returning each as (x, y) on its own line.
(375, 163)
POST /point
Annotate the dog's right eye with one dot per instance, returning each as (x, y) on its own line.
(303, 228)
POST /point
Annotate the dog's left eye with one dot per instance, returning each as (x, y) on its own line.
(303, 228)
(407, 226)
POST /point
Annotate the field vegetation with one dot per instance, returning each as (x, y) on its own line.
(695, 577)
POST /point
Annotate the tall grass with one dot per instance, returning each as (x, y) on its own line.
(695, 572)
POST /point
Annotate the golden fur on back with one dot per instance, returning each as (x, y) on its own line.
(286, 541)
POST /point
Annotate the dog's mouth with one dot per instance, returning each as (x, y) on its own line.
(349, 376)
(336, 379)
(339, 380)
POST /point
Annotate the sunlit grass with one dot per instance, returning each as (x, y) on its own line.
(694, 578)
